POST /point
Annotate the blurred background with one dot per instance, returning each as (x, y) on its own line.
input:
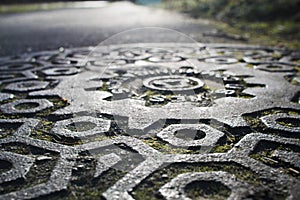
(33, 25)
(271, 22)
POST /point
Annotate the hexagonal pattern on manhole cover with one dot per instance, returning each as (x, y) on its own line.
(141, 122)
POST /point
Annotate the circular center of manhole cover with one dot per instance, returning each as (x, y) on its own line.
(173, 83)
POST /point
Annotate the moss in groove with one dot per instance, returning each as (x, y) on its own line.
(253, 119)
(163, 147)
(8, 129)
(58, 103)
(148, 189)
(84, 185)
(42, 131)
(289, 122)
(39, 172)
(232, 136)
(207, 190)
(264, 153)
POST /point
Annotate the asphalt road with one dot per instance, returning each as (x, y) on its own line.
(48, 30)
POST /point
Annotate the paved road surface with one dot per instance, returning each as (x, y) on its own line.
(47, 30)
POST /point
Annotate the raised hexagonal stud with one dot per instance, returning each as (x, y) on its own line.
(17, 66)
(80, 127)
(282, 122)
(26, 106)
(27, 86)
(176, 188)
(190, 135)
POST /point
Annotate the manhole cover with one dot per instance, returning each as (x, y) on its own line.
(150, 122)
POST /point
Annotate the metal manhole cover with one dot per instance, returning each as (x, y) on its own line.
(150, 126)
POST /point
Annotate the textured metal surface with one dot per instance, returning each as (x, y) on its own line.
(142, 122)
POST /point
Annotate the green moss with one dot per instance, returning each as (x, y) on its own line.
(232, 136)
(288, 123)
(255, 122)
(9, 100)
(8, 129)
(265, 35)
(205, 87)
(258, 126)
(250, 66)
(166, 148)
(16, 148)
(89, 193)
(254, 119)
(67, 141)
(169, 97)
(222, 149)
(276, 56)
(272, 23)
(225, 146)
(207, 190)
(41, 135)
(293, 113)
(58, 103)
(98, 138)
(104, 87)
(84, 185)
(150, 93)
(267, 158)
(95, 138)
(42, 130)
(270, 112)
(264, 153)
(294, 82)
(245, 96)
(261, 156)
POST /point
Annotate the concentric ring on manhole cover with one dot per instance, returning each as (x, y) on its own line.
(173, 83)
